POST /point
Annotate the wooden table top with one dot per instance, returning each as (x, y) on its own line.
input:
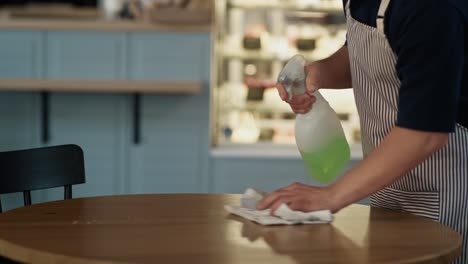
(195, 228)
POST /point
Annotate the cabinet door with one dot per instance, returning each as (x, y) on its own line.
(96, 122)
(19, 129)
(21, 54)
(169, 56)
(86, 55)
(234, 175)
(174, 153)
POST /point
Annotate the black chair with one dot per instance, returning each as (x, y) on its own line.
(41, 168)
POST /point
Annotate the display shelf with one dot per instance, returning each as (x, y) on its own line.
(253, 40)
(311, 6)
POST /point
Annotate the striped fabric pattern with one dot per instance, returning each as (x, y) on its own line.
(438, 187)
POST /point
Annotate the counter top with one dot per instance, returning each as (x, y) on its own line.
(280, 151)
(97, 25)
(115, 86)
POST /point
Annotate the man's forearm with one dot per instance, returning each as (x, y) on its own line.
(334, 72)
(401, 151)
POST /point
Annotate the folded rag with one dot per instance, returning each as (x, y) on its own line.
(283, 215)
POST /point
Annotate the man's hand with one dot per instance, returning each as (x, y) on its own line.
(301, 104)
(300, 197)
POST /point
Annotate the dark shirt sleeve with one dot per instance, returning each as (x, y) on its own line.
(428, 41)
(344, 13)
(462, 6)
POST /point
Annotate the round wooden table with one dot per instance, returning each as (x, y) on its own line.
(195, 228)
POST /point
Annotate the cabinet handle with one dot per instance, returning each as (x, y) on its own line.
(45, 118)
(136, 118)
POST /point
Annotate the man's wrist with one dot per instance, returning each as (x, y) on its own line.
(313, 76)
(334, 199)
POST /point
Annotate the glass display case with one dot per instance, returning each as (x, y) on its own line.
(253, 40)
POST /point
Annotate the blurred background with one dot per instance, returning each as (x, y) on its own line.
(163, 96)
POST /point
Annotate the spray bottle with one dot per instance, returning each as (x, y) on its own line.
(319, 134)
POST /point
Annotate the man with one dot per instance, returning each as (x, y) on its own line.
(407, 61)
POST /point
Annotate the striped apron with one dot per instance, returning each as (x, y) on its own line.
(438, 187)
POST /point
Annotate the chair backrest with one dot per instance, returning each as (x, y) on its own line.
(41, 168)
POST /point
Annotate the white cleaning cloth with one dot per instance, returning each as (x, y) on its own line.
(283, 215)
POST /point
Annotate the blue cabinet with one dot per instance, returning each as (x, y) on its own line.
(86, 55)
(174, 153)
(21, 54)
(235, 174)
(19, 129)
(168, 56)
(97, 123)
(19, 120)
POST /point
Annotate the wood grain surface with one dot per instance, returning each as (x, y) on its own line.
(102, 86)
(195, 228)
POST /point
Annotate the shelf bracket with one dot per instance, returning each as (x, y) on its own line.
(45, 118)
(136, 118)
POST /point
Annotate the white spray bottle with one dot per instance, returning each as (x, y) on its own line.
(319, 134)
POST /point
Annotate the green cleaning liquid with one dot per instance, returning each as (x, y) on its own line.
(325, 164)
